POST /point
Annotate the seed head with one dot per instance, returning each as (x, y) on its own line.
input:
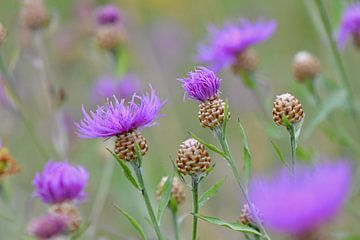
(192, 159)
(70, 213)
(305, 66)
(2, 33)
(110, 37)
(288, 105)
(177, 190)
(245, 61)
(125, 145)
(34, 14)
(211, 112)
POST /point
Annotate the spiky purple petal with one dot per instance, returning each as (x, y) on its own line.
(350, 24)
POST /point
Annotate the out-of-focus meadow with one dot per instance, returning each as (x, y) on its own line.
(162, 37)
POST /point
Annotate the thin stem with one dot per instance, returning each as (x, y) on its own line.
(291, 131)
(253, 85)
(145, 195)
(225, 147)
(195, 192)
(330, 35)
(176, 224)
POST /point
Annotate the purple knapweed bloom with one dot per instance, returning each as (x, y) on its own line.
(60, 182)
(226, 43)
(350, 24)
(117, 117)
(201, 84)
(301, 203)
(108, 14)
(128, 86)
(103, 88)
(47, 226)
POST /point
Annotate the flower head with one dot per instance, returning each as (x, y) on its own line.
(103, 88)
(350, 24)
(117, 117)
(47, 226)
(202, 84)
(226, 43)
(128, 85)
(60, 182)
(108, 14)
(300, 203)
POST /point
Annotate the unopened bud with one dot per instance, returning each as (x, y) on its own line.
(305, 66)
(286, 104)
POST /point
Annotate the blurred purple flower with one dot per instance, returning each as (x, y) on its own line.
(103, 88)
(47, 226)
(60, 182)
(108, 14)
(300, 203)
(350, 24)
(117, 117)
(202, 84)
(128, 86)
(226, 43)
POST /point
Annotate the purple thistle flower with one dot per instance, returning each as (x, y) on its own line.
(60, 182)
(117, 117)
(128, 86)
(108, 14)
(202, 84)
(226, 43)
(350, 24)
(300, 203)
(47, 226)
(103, 88)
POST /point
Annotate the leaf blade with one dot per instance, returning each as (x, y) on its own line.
(165, 198)
(211, 192)
(209, 146)
(246, 155)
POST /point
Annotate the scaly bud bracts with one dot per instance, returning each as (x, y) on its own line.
(211, 112)
(245, 61)
(110, 37)
(34, 14)
(125, 145)
(305, 66)
(70, 212)
(288, 105)
(177, 190)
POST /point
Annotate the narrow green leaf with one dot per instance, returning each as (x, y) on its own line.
(165, 198)
(209, 146)
(279, 153)
(233, 226)
(246, 155)
(82, 229)
(226, 118)
(211, 192)
(138, 154)
(133, 222)
(127, 171)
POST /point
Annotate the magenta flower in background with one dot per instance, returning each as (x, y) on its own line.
(350, 24)
(226, 43)
(300, 203)
(108, 14)
(201, 84)
(128, 86)
(47, 226)
(103, 88)
(60, 182)
(117, 117)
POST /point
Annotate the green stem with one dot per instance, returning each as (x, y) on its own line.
(195, 192)
(291, 131)
(225, 147)
(330, 35)
(145, 195)
(176, 224)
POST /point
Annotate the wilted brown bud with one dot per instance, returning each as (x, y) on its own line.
(177, 190)
(125, 145)
(110, 37)
(288, 105)
(192, 158)
(245, 61)
(211, 112)
(2, 33)
(34, 14)
(305, 66)
(71, 213)
(8, 165)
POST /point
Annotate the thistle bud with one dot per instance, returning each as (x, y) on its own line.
(8, 165)
(192, 159)
(34, 14)
(125, 145)
(288, 105)
(177, 190)
(2, 33)
(71, 214)
(245, 61)
(305, 66)
(211, 112)
(248, 218)
(110, 37)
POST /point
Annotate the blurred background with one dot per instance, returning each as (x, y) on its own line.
(162, 37)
